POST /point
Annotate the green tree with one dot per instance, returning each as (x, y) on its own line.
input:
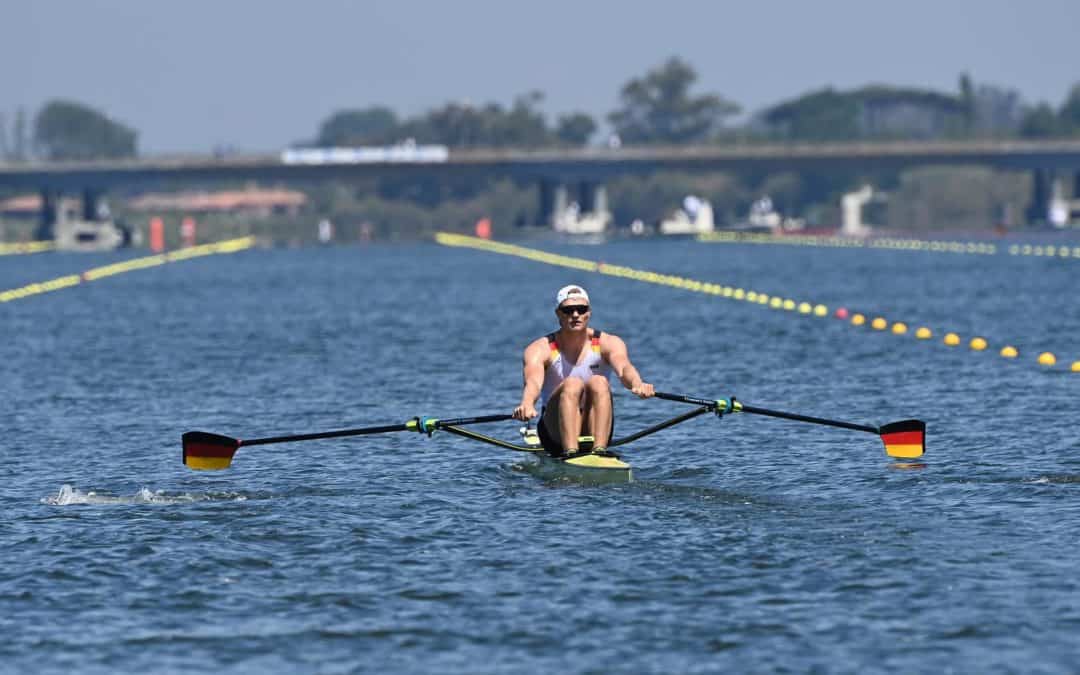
(1069, 115)
(818, 116)
(658, 108)
(523, 125)
(575, 129)
(19, 145)
(463, 125)
(1039, 122)
(366, 126)
(967, 101)
(70, 130)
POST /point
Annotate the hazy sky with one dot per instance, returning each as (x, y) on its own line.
(258, 74)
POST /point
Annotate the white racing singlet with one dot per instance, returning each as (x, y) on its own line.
(560, 368)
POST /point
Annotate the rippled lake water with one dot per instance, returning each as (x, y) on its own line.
(743, 544)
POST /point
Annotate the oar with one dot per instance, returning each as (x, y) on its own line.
(905, 439)
(205, 451)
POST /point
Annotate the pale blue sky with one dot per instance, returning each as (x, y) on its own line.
(259, 74)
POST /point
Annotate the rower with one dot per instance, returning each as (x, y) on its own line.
(569, 371)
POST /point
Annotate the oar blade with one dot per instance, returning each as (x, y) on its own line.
(905, 439)
(204, 451)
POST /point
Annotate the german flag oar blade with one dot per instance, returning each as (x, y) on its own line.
(204, 451)
(906, 439)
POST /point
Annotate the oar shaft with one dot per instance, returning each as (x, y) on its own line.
(325, 434)
(473, 420)
(412, 425)
(660, 427)
(806, 418)
(742, 407)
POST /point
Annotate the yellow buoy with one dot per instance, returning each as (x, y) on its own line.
(1009, 352)
(1047, 359)
(858, 320)
(739, 294)
(776, 303)
(924, 333)
(977, 343)
(1075, 367)
(899, 328)
(879, 323)
(821, 310)
(789, 305)
(952, 339)
(805, 308)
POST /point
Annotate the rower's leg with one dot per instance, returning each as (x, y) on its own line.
(571, 392)
(598, 409)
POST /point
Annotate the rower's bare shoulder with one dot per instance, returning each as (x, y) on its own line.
(609, 341)
(538, 348)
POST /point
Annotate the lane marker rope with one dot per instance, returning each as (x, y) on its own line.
(1064, 251)
(878, 323)
(227, 246)
(24, 247)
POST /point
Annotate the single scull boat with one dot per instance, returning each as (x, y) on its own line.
(207, 451)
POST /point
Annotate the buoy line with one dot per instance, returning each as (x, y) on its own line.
(227, 246)
(24, 247)
(1062, 251)
(857, 319)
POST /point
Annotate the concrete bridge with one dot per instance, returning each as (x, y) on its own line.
(1048, 160)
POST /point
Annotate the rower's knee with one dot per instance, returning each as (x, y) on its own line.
(598, 385)
(573, 387)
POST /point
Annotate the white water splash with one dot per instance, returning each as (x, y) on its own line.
(69, 495)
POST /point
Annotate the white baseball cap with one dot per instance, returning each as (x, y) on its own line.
(571, 291)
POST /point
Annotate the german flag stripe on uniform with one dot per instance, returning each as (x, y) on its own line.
(906, 439)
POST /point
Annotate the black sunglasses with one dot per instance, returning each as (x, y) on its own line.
(574, 309)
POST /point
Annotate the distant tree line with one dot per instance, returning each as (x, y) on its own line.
(661, 106)
(66, 130)
(658, 107)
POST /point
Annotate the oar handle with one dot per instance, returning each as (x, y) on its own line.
(712, 403)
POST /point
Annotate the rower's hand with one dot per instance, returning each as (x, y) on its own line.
(643, 390)
(524, 412)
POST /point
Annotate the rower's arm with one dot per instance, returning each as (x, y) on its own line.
(616, 355)
(533, 372)
(614, 350)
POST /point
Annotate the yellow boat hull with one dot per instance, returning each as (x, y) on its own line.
(603, 467)
(587, 468)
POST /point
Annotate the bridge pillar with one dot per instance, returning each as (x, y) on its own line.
(91, 204)
(1038, 210)
(586, 196)
(546, 213)
(50, 203)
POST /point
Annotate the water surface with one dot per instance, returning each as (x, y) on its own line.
(744, 544)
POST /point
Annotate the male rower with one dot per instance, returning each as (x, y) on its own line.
(568, 370)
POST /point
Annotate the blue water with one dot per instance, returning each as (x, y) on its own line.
(744, 543)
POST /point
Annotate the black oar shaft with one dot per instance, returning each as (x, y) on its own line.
(412, 425)
(807, 418)
(326, 434)
(742, 407)
(473, 420)
(659, 427)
